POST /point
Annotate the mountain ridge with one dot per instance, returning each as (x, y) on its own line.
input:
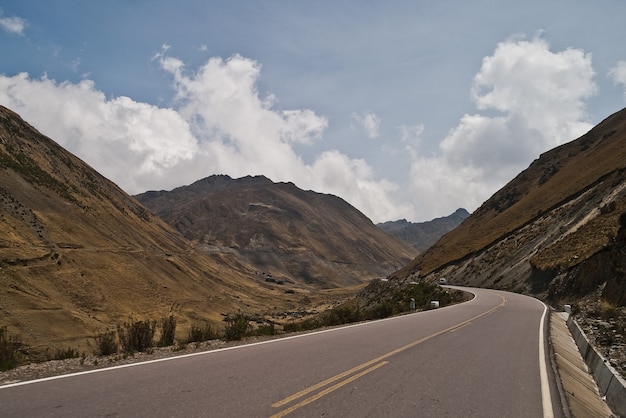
(422, 235)
(279, 228)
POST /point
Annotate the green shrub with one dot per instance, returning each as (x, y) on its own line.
(168, 331)
(106, 344)
(10, 346)
(136, 335)
(236, 327)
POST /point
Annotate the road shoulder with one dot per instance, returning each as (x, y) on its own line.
(581, 392)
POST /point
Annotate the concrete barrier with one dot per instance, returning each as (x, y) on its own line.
(612, 387)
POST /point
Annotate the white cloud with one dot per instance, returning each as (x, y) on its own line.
(370, 122)
(220, 125)
(539, 95)
(618, 73)
(132, 143)
(531, 99)
(15, 25)
(410, 135)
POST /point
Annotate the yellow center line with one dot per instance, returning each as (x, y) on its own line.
(327, 391)
(459, 327)
(342, 375)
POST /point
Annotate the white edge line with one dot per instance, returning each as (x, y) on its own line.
(546, 397)
(200, 353)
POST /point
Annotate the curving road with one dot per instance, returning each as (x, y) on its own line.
(482, 358)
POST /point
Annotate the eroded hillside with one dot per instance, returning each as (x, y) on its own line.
(539, 232)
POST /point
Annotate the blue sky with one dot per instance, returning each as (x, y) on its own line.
(406, 109)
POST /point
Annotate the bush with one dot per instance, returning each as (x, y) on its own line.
(304, 325)
(168, 331)
(266, 329)
(106, 344)
(198, 334)
(136, 335)
(341, 315)
(65, 353)
(607, 311)
(9, 350)
(382, 310)
(236, 327)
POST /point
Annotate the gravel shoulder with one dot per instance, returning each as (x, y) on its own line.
(52, 368)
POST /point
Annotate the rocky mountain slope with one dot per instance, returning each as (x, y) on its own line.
(78, 255)
(551, 231)
(290, 235)
(422, 235)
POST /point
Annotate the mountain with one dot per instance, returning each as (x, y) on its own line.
(79, 256)
(554, 230)
(422, 235)
(308, 239)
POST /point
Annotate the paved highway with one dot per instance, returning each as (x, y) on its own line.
(482, 358)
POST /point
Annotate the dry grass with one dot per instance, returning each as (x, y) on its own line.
(557, 177)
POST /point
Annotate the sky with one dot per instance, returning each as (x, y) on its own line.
(405, 109)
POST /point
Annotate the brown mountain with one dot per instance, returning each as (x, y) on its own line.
(78, 255)
(554, 230)
(294, 236)
(422, 235)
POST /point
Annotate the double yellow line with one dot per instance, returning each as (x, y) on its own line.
(369, 367)
(326, 391)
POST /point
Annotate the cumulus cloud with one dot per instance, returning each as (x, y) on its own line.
(533, 100)
(529, 99)
(219, 124)
(14, 25)
(132, 143)
(370, 122)
(618, 73)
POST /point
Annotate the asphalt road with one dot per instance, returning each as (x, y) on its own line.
(481, 358)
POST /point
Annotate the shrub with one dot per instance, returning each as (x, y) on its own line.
(304, 325)
(341, 315)
(65, 353)
(106, 344)
(607, 311)
(266, 329)
(136, 335)
(168, 331)
(236, 327)
(382, 310)
(198, 334)
(9, 350)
